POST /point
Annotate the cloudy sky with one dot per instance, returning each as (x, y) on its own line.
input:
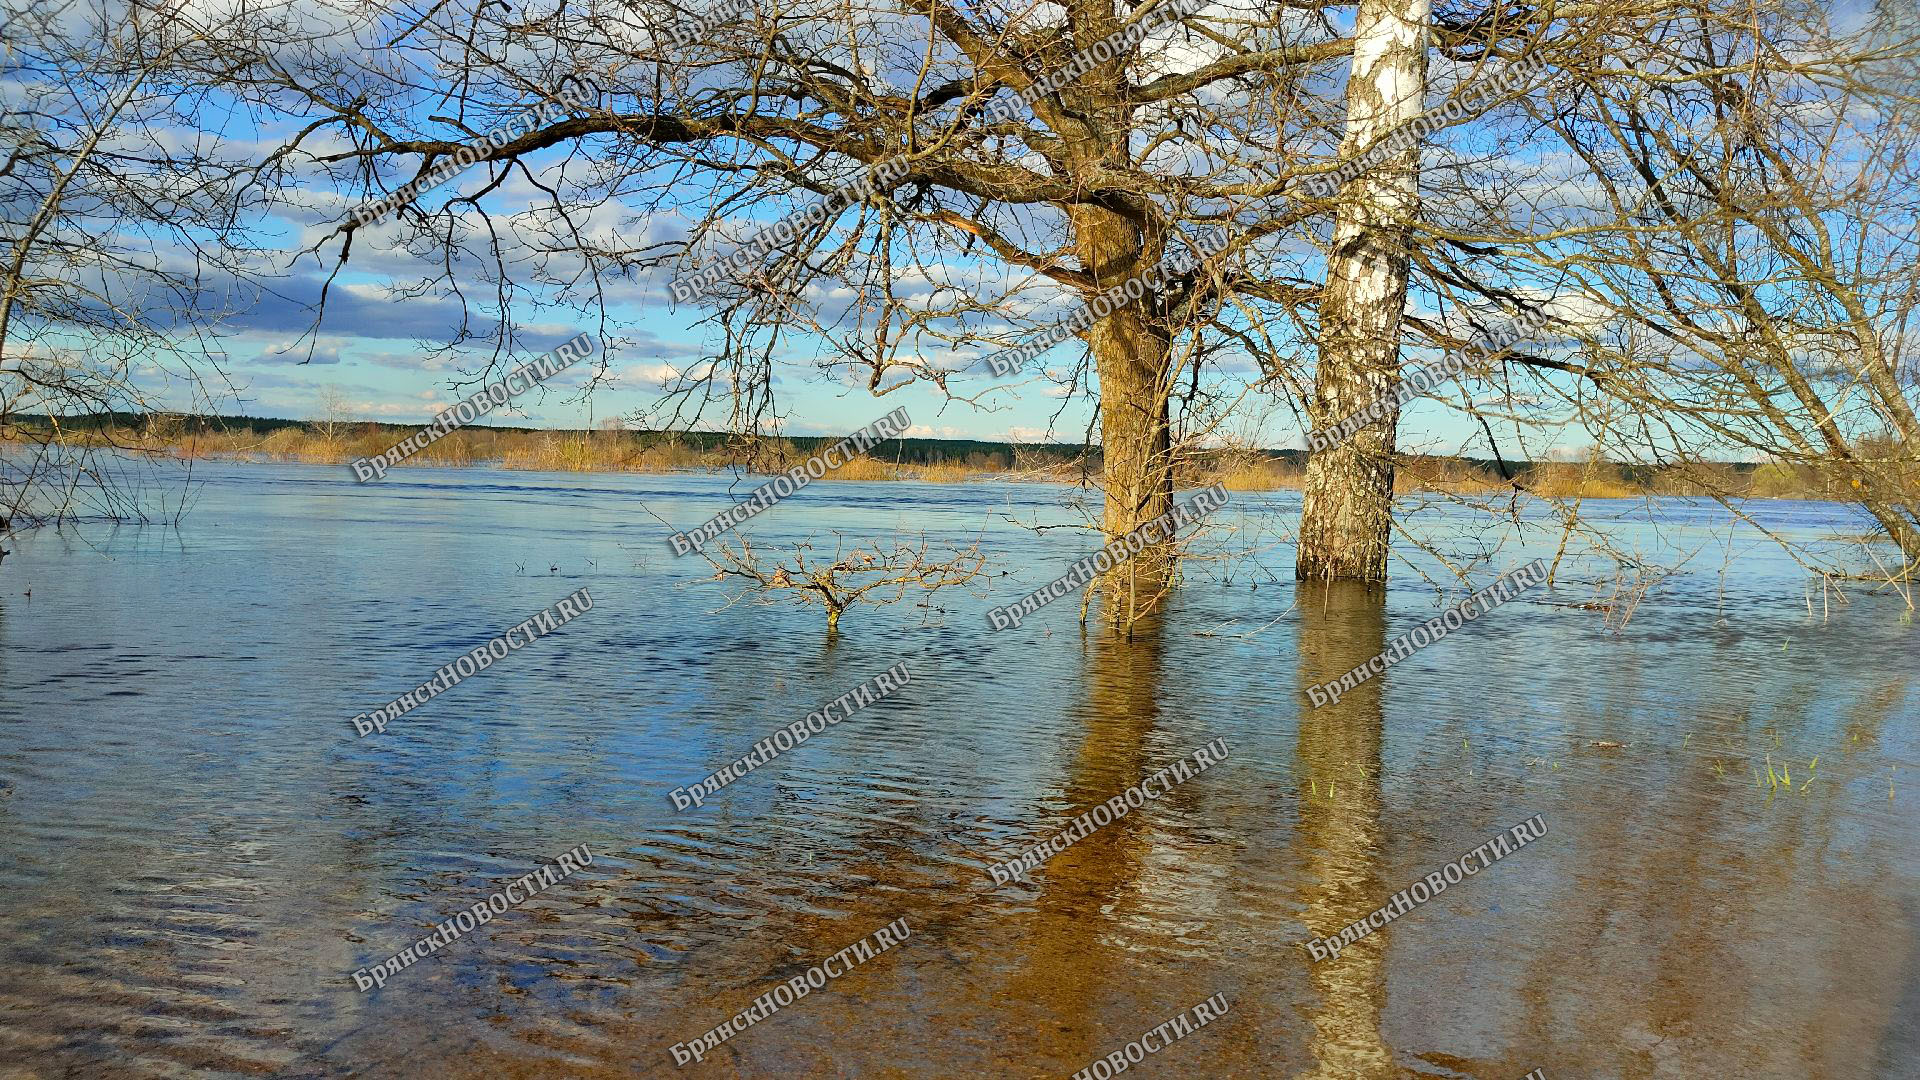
(382, 340)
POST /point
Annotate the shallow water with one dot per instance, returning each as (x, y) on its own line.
(196, 850)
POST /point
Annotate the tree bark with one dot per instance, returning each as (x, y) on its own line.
(1131, 355)
(1346, 516)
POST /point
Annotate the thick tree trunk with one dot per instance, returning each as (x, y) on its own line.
(1131, 356)
(1347, 514)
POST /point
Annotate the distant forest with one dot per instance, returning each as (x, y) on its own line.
(968, 453)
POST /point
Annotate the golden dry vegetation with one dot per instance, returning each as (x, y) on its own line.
(655, 452)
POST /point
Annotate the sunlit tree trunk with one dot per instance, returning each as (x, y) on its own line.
(1131, 355)
(1346, 516)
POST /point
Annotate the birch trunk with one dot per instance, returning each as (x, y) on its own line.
(1347, 512)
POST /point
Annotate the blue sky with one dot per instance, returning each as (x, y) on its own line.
(383, 350)
(378, 348)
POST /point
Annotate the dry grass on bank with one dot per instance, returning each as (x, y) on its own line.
(535, 451)
(865, 468)
(653, 452)
(1548, 479)
(1266, 475)
(1576, 480)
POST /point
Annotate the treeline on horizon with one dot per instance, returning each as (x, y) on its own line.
(252, 438)
(914, 451)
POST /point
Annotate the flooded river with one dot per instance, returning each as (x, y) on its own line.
(197, 850)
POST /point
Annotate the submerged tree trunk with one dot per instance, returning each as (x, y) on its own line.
(1131, 355)
(1347, 511)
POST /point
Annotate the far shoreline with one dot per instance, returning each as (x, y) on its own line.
(251, 440)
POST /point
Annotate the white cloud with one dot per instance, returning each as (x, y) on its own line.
(943, 431)
(1021, 434)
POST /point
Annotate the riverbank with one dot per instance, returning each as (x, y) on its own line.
(925, 460)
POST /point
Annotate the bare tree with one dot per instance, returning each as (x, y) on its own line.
(1004, 220)
(1019, 198)
(1732, 208)
(113, 230)
(1713, 208)
(336, 413)
(850, 577)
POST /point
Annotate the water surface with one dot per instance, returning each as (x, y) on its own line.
(196, 851)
